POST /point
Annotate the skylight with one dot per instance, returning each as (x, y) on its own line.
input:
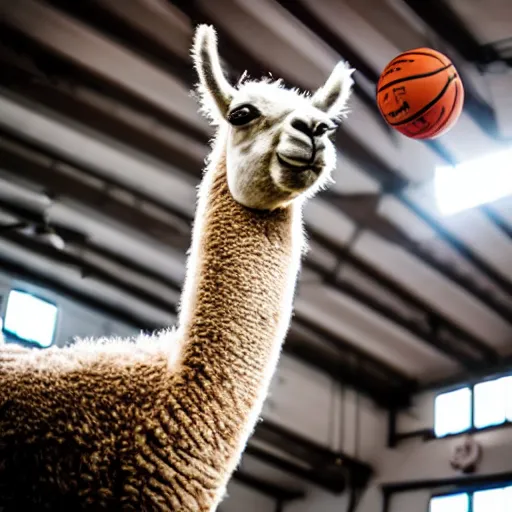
(474, 182)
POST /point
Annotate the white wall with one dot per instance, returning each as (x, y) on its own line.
(318, 501)
(310, 403)
(240, 498)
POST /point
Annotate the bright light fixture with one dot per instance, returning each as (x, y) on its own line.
(474, 182)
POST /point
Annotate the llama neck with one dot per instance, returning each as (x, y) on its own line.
(237, 300)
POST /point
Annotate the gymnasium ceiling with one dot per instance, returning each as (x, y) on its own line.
(100, 138)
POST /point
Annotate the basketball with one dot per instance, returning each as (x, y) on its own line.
(420, 94)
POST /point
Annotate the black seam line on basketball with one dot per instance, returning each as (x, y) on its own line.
(414, 77)
(425, 54)
(399, 61)
(448, 117)
(426, 107)
(445, 121)
(432, 125)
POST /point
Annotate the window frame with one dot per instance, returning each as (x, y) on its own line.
(471, 386)
(10, 337)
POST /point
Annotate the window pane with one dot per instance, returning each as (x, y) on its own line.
(30, 318)
(508, 398)
(490, 501)
(454, 503)
(453, 412)
(490, 403)
(508, 498)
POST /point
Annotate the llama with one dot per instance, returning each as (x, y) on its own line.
(160, 422)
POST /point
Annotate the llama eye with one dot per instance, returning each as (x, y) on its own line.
(243, 115)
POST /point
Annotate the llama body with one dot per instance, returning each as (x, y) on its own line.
(160, 423)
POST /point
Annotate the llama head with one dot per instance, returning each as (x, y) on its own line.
(278, 141)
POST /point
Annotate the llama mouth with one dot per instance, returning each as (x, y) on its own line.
(308, 166)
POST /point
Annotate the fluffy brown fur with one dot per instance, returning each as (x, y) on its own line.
(123, 426)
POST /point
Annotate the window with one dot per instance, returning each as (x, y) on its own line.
(493, 499)
(29, 319)
(493, 402)
(453, 412)
(473, 183)
(453, 503)
(488, 500)
(484, 405)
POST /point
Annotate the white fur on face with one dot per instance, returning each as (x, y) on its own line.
(284, 152)
(257, 153)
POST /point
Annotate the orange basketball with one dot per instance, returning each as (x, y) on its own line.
(420, 93)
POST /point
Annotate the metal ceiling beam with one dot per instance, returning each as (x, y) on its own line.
(57, 183)
(59, 69)
(366, 374)
(395, 235)
(376, 366)
(431, 315)
(96, 15)
(86, 269)
(444, 20)
(17, 270)
(504, 367)
(61, 98)
(453, 351)
(459, 246)
(335, 485)
(352, 375)
(498, 220)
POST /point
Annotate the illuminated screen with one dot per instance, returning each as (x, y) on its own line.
(29, 318)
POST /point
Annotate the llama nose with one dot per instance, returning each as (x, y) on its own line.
(303, 127)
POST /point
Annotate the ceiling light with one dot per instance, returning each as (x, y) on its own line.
(48, 235)
(473, 183)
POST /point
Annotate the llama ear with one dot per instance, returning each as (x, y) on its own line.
(215, 91)
(333, 96)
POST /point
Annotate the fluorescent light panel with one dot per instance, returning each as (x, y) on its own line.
(474, 182)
